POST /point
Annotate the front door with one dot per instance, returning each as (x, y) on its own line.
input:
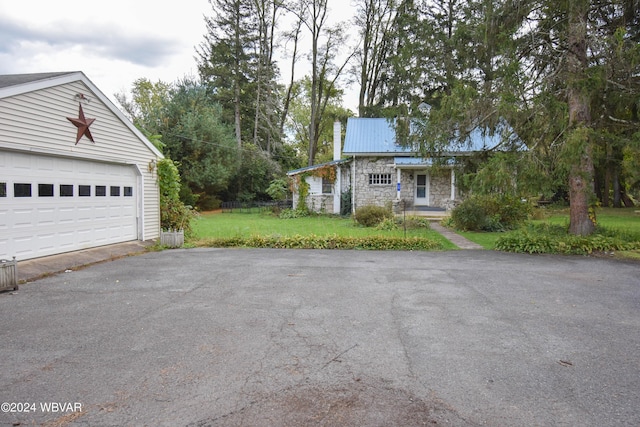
(421, 195)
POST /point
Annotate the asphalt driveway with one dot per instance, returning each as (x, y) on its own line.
(217, 337)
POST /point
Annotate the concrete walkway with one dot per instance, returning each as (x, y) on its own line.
(454, 238)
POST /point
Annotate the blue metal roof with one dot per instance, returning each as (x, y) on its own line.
(377, 136)
(371, 135)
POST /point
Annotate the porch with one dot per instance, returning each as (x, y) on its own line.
(405, 208)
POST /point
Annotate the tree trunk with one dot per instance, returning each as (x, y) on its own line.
(581, 173)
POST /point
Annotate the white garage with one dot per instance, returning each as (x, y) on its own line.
(74, 172)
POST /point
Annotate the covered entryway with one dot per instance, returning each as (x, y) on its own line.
(50, 204)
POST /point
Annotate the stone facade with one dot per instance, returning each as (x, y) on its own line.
(440, 187)
(385, 194)
(365, 194)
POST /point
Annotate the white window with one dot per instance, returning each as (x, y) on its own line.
(379, 179)
(327, 186)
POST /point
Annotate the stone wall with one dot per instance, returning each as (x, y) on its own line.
(377, 194)
(440, 188)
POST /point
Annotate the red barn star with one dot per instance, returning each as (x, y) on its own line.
(82, 124)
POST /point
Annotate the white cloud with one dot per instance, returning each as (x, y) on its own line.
(113, 43)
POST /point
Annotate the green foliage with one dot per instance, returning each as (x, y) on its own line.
(371, 216)
(294, 213)
(408, 223)
(312, 241)
(277, 189)
(299, 120)
(345, 203)
(490, 213)
(174, 215)
(416, 222)
(387, 224)
(554, 239)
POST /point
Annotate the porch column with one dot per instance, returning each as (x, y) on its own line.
(337, 190)
(453, 184)
(399, 174)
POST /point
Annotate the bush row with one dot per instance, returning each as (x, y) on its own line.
(555, 240)
(326, 242)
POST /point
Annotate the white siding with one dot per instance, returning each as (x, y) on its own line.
(37, 122)
(315, 184)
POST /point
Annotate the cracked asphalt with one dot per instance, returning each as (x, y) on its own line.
(229, 337)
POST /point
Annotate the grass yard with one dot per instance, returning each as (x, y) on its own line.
(624, 220)
(231, 225)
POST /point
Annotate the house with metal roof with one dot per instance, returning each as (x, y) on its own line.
(378, 170)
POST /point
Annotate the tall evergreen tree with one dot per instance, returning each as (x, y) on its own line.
(226, 58)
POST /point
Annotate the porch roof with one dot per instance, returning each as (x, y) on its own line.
(417, 162)
(318, 166)
(409, 162)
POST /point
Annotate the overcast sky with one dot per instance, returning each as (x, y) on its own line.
(113, 42)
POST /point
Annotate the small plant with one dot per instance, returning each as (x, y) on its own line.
(415, 222)
(371, 216)
(293, 213)
(387, 224)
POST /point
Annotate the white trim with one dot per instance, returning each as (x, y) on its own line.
(140, 203)
(398, 183)
(453, 184)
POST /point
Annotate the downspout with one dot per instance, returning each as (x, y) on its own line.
(337, 154)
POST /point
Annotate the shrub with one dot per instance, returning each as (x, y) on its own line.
(174, 214)
(555, 240)
(371, 216)
(490, 213)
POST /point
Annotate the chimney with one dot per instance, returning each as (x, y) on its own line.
(337, 143)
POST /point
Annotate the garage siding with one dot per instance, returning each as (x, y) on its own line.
(36, 122)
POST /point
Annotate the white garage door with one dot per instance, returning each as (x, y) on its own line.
(50, 205)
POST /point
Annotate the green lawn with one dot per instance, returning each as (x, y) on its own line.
(624, 219)
(229, 225)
